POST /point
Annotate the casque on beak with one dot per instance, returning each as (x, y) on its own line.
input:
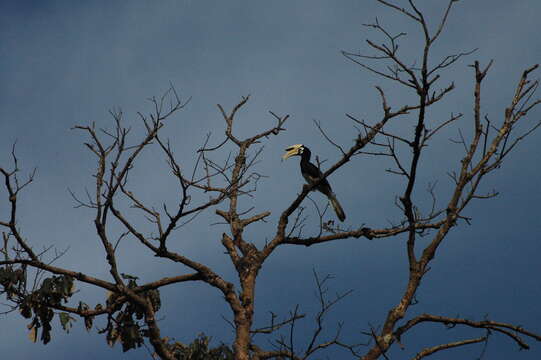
(292, 151)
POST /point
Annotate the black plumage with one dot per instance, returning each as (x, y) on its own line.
(312, 174)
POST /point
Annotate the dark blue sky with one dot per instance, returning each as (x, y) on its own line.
(64, 63)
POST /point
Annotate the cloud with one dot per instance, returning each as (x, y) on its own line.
(67, 63)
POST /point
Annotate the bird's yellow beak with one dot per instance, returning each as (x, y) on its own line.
(291, 151)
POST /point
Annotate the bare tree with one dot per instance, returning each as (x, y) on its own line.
(130, 308)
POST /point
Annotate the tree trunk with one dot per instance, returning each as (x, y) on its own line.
(244, 318)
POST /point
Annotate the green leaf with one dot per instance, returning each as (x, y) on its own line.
(129, 277)
(88, 322)
(66, 321)
(47, 286)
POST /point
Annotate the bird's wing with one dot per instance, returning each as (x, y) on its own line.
(312, 174)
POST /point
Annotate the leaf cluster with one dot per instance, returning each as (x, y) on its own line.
(199, 350)
(127, 326)
(37, 305)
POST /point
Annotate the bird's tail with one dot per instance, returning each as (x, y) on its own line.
(337, 207)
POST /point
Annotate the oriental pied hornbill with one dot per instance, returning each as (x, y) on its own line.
(311, 174)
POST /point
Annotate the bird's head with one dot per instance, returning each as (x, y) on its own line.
(293, 150)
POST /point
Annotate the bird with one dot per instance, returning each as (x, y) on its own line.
(312, 174)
